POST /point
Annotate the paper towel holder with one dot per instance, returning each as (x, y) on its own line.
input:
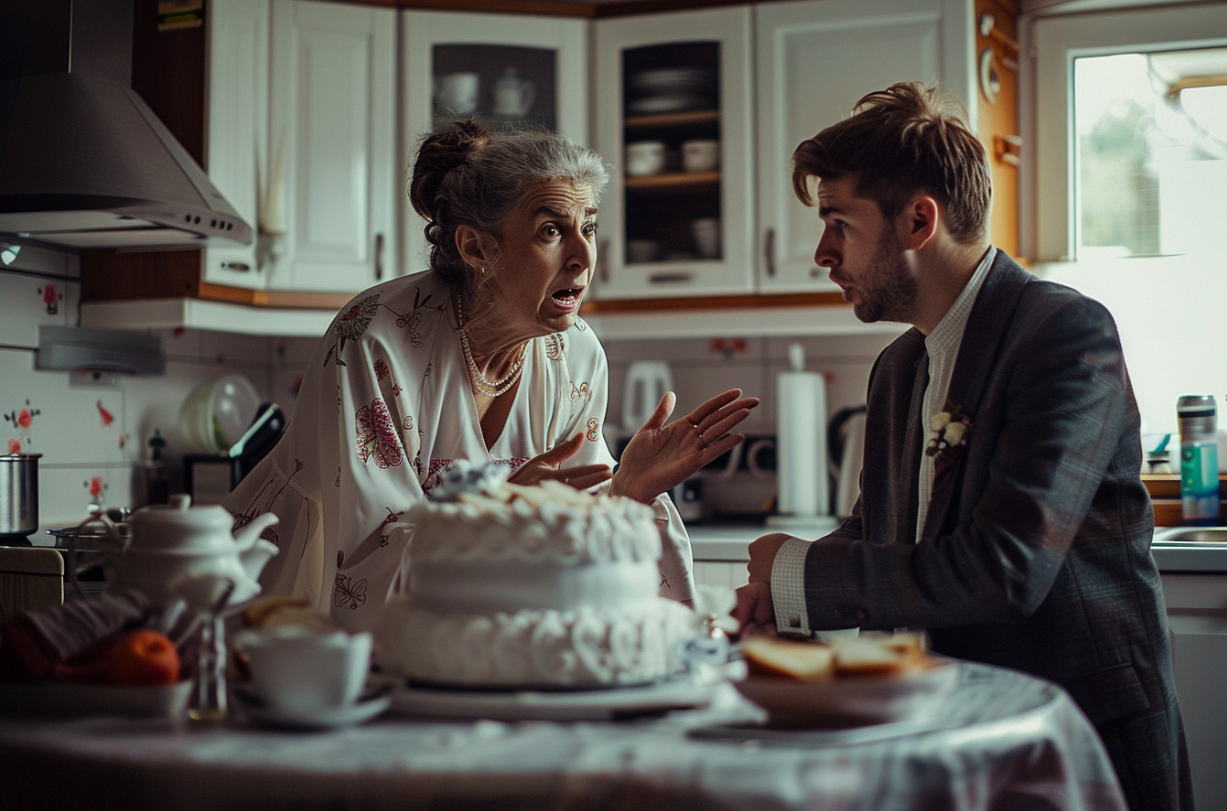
(810, 430)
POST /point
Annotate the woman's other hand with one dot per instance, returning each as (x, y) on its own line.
(546, 466)
(659, 457)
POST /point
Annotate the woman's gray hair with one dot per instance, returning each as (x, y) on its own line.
(466, 175)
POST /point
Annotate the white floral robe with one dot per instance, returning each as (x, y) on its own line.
(385, 404)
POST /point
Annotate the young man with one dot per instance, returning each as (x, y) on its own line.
(1001, 504)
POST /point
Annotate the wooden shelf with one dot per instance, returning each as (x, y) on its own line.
(672, 119)
(673, 181)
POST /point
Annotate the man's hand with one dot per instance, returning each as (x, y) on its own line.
(754, 610)
(762, 556)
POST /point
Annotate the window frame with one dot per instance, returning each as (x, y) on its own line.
(1048, 230)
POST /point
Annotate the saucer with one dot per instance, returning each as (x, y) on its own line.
(364, 709)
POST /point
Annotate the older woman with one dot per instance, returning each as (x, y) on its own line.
(482, 357)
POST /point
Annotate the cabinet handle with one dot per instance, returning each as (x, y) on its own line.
(670, 278)
(769, 251)
(243, 266)
(378, 257)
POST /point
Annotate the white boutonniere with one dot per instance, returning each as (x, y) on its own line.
(949, 432)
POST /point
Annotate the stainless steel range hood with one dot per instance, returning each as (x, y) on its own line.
(84, 162)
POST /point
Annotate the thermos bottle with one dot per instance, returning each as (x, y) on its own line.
(1199, 497)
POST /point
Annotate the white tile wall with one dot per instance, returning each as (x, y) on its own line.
(700, 371)
(80, 449)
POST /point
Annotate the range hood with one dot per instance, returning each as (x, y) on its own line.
(84, 162)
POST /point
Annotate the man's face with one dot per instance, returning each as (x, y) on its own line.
(865, 254)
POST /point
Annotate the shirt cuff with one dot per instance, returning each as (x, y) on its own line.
(788, 588)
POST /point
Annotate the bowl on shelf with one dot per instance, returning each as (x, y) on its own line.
(700, 156)
(652, 105)
(672, 81)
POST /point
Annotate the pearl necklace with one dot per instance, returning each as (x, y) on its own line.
(490, 388)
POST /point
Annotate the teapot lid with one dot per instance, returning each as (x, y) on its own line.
(179, 523)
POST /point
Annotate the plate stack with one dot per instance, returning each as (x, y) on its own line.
(671, 90)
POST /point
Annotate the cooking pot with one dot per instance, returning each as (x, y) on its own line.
(19, 493)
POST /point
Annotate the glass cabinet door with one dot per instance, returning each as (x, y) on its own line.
(671, 170)
(501, 69)
(674, 116)
(498, 85)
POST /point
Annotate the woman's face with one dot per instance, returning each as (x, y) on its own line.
(547, 256)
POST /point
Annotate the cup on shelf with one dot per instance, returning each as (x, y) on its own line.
(700, 156)
(458, 92)
(639, 251)
(300, 669)
(645, 158)
(706, 233)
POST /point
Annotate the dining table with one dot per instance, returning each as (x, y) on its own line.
(999, 740)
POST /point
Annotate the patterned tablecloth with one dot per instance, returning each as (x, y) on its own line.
(1001, 740)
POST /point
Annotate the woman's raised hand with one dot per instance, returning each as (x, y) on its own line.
(546, 466)
(659, 457)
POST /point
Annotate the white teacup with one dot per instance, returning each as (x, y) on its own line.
(707, 237)
(700, 156)
(645, 158)
(458, 92)
(298, 669)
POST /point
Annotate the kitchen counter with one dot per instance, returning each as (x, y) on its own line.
(727, 542)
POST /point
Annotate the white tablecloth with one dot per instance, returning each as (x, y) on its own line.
(1002, 740)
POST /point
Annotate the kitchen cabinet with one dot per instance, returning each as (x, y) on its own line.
(814, 61)
(332, 121)
(1197, 622)
(236, 123)
(502, 69)
(810, 62)
(670, 82)
(301, 140)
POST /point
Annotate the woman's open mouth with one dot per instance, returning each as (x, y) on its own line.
(567, 299)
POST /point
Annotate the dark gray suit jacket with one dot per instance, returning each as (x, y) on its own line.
(1035, 553)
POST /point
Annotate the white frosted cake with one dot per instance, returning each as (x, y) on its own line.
(540, 586)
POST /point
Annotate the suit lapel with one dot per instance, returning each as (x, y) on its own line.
(913, 443)
(986, 326)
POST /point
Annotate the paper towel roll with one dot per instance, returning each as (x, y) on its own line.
(801, 454)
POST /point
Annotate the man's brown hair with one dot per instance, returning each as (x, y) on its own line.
(901, 142)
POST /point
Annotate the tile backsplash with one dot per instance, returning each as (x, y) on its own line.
(92, 433)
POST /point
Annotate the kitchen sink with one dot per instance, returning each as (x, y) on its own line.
(1194, 535)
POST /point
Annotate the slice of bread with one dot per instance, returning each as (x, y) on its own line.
(801, 661)
(869, 657)
(277, 611)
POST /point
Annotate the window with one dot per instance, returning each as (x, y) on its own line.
(1128, 117)
(1150, 153)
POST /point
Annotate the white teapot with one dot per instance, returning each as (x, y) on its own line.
(169, 541)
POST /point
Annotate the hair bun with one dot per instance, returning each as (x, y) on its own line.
(439, 154)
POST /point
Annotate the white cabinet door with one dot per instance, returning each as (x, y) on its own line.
(332, 119)
(675, 80)
(545, 57)
(237, 129)
(815, 60)
(1197, 621)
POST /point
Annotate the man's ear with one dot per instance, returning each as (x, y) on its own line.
(923, 216)
(473, 246)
